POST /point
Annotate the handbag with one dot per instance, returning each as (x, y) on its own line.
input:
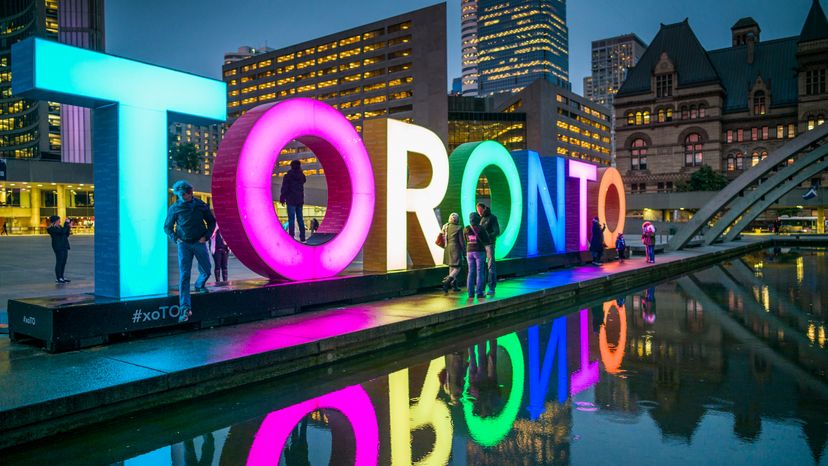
(441, 238)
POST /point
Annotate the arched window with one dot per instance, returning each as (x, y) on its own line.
(820, 119)
(670, 114)
(759, 103)
(630, 118)
(754, 158)
(639, 154)
(731, 162)
(638, 118)
(702, 111)
(740, 161)
(693, 112)
(661, 118)
(646, 117)
(684, 113)
(693, 150)
(811, 122)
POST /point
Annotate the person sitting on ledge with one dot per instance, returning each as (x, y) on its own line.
(189, 224)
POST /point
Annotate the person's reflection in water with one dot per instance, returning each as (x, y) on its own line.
(208, 450)
(648, 309)
(597, 317)
(455, 376)
(483, 388)
(296, 454)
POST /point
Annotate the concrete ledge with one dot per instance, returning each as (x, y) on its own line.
(426, 316)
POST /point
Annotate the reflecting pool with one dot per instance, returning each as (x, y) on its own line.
(724, 365)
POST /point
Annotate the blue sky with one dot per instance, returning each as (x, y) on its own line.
(192, 35)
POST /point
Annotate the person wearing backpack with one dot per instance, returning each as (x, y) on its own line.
(476, 238)
(455, 250)
(489, 223)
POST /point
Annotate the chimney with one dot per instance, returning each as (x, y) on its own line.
(751, 47)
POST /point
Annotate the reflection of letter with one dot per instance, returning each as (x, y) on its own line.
(131, 101)
(539, 375)
(351, 401)
(613, 357)
(491, 430)
(588, 375)
(583, 172)
(428, 411)
(399, 206)
(555, 214)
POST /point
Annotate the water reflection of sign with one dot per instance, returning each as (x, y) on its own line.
(131, 101)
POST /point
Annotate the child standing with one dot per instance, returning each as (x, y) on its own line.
(620, 246)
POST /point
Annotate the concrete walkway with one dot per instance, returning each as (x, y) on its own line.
(44, 394)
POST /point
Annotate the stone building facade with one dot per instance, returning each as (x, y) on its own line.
(683, 107)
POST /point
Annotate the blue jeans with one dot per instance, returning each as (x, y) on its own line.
(490, 260)
(186, 251)
(650, 253)
(477, 263)
(295, 215)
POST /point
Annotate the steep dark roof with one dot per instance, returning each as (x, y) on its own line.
(816, 26)
(684, 50)
(745, 22)
(774, 60)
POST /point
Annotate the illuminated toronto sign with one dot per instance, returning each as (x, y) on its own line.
(382, 192)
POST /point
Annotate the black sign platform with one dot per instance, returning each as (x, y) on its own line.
(72, 322)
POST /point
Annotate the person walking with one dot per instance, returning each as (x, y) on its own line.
(488, 222)
(293, 194)
(5, 229)
(455, 250)
(189, 224)
(221, 252)
(620, 246)
(596, 243)
(648, 239)
(475, 238)
(60, 245)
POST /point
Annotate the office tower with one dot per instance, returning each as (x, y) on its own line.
(611, 59)
(468, 38)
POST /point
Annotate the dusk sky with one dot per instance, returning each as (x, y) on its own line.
(192, 35)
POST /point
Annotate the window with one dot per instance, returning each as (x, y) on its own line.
(693, 112)
(669, 114)
(646, 117)
(754, 134)
(780, 131)
(820, 119)
(661, 118)
(685, 114)
(729, 136)
(639, 154)
(664, 85)
(630, 118)
(815, 82)
(740, 161)
(791, 131)
(740, 135)
(702, 111)
(693, 150)
(639, 118)
(759, 103)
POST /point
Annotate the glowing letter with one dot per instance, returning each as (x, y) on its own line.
(588, 375)
(613, 356)
(131, 102)
(614, 207)
(466, 164)
(555, 215)
(429, 410)
(491, 430)
(539, 376)
(244, 196)
(411, 175)
(583, 172)
(351, 401)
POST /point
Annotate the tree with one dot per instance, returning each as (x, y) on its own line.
(705, 179)
(185, 156)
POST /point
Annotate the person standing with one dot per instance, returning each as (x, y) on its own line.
(189, 224)
(475, 238)
(314, 225)
(60, 245)
(453, 254)
(596, 243)
(648, 239)
(5, 229)
(293, 194)
(488, 222)
(620, 246)
(220, 252)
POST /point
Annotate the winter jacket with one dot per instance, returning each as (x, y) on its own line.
(489, 223)
(596, 243)
(60, 236)
(455, 245)
(189, 221)
(293, 187)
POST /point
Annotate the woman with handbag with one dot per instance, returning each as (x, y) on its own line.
(455, 249)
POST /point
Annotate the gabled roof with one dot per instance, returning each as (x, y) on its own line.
(745, 22)
(816, 25)
(774, 60)
(683, 48)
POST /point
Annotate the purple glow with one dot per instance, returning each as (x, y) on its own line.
(351, 401)
(589, 374)
(244, 197)
(583, 172)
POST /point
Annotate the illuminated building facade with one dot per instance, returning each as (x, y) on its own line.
(519, 41)
(611, 59)
(468, 38)
(206, 140)
(35, 136)
(395, 67)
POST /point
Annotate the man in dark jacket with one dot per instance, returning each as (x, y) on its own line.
(596, 243)
(488, 222)
(189, 224)
(293, 194)
(60, 245)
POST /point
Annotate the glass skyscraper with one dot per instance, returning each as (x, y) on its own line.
(519, 41)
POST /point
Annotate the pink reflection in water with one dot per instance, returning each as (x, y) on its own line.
(588, 375)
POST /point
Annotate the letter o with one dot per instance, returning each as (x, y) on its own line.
(352, 401)
(611, 178)
(243, 194)
(612, 358)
